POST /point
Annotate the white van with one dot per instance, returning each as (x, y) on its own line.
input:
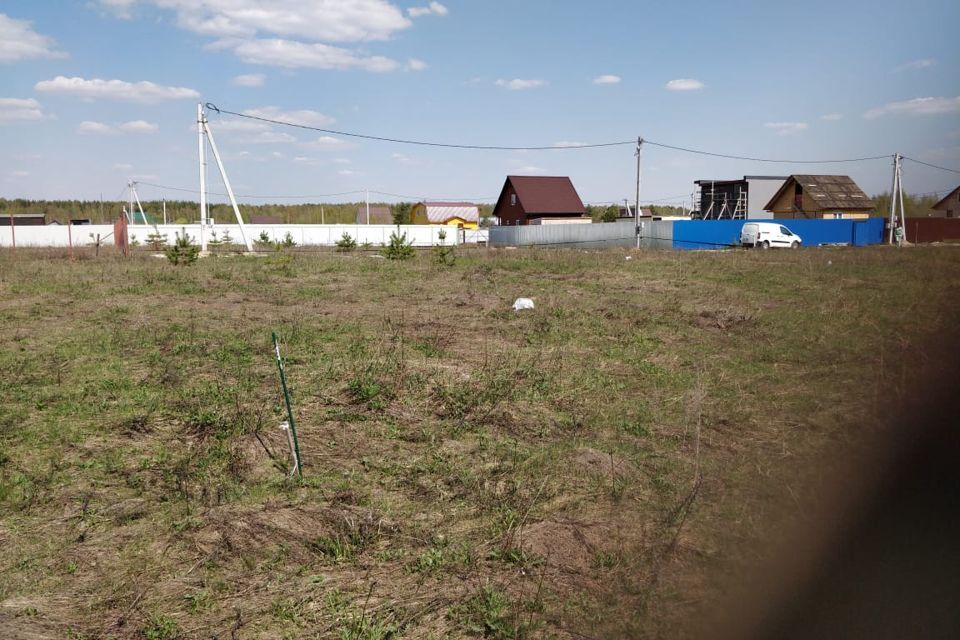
(768, 234)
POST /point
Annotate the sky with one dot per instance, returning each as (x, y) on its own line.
(94, 93)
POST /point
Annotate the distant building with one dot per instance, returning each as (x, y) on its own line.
(527, 198)
(23, 219)
(949, 207)
(805, 196)
(378, 215)
(79, 221)
(736, 199)
(461, 214)
(626, 213)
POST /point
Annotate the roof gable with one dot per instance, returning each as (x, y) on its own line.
(440, 212)
(952, 195)
(546, 194)
(827, 192)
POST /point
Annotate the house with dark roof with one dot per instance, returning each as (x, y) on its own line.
(949, 207)
(806, 196)
(461, 214)
(378, 215)
(524, 199)
(736, 199)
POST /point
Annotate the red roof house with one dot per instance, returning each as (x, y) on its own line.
(527, 198)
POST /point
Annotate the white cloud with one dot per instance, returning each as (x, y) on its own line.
(119, 8)
(606, 79)
(404, 160)
(249, 80)
(415, 65)
(787, 128)
(684, 84)
(916, 107)
(325, 20)
(19, 173)
(294, 55)
(301, 116)
(832, 117)
(347, 172)
(138, 126)
(915, 64)
(328, 143)
(342, 161)
(519, 85)
(123, 166)
(144, 92)
(266, 137)
(19, 109)
(434, 8)
(18, 41)
(89, 127)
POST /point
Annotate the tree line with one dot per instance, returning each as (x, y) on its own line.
(186, 212)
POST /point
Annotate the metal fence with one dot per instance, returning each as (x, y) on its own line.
(586, 236)
(56, 235)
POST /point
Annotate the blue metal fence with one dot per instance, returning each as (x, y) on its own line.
(715, 234)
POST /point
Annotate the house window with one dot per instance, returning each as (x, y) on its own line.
(513, 199)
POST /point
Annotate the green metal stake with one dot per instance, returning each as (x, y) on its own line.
(286, 397)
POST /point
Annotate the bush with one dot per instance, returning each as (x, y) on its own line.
(399, 247)
(183, 250)
(263, 240)
(157, 240)
(346, 243)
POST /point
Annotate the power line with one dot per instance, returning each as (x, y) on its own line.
(421, 143)
(927, 164)
(424, 143)
(732, 157)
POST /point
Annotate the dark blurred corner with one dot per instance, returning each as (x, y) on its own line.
(879, 556)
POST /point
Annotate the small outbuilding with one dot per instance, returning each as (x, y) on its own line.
(806, 196)
(22, 219)
(949, 207)
(524, 199)
(461, 214)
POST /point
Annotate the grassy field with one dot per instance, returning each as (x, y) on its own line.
(597, 467)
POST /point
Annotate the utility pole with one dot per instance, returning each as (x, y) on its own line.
(130, 199)
(226, 183)
(893, 197)
(201, 120)
(368, 207)
(164, 211)
(321, 215)
(636, 213)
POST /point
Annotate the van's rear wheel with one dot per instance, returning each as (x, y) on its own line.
(795, 245)
(765, 244)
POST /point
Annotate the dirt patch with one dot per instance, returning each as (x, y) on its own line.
(569, 546)
(602, 464)
(722, 319)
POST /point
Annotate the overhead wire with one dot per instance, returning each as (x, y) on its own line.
(422, 143)
(934, 166)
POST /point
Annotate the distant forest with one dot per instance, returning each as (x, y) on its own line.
(185, 211)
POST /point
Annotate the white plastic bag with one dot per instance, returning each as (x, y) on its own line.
(522, 303)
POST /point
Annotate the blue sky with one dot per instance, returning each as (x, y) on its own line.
(95, 92)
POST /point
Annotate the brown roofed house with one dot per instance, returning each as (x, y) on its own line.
(378, 215)
(527, 198)
(805, 196)
(949, 207)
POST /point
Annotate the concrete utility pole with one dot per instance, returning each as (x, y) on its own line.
(636, 213)
(201, 120)
(893, 197)
(226, 183)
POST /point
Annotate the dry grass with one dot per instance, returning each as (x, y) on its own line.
(592, 468)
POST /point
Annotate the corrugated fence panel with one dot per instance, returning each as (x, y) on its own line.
(585, 236)
(717, 234)
(932, 229)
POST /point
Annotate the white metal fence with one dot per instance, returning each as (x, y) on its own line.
(55, 235)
